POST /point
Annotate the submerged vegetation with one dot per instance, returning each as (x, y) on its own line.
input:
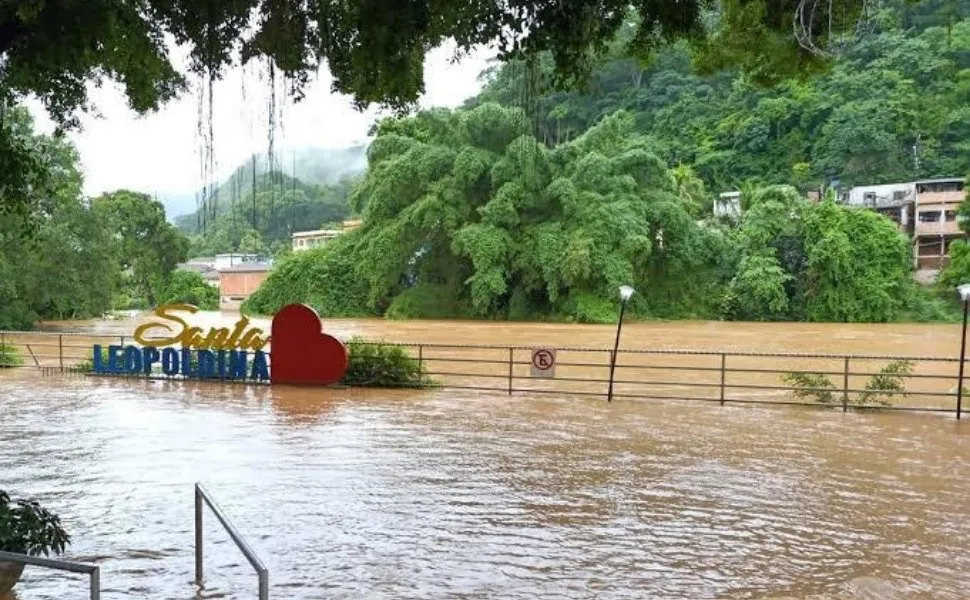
(888, 383)
(9, 357)
(383, 365)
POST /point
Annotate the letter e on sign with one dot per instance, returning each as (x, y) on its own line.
(544, 362)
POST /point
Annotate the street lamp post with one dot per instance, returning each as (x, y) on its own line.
(965, 297)
(625, 293)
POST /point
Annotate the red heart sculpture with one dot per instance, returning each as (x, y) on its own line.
(301, 352)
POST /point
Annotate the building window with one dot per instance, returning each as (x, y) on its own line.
(869, 197)
(929, 217)
(951, 215)
(899, 195)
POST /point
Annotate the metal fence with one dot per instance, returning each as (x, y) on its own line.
(844, 381)
(93, 571)
(203, 497)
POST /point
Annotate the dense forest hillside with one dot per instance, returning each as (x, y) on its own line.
(312, 165)
(532, 204)
(262, 222)
(895, 107)
(235, 218)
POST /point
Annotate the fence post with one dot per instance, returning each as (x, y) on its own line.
(723, 363)
(845, 386)
(421, 360)
(198, 537)
(60, 350)
(96, 584)
(511, 350)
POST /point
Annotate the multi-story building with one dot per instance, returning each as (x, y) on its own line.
(305, 240)
(936, 205)
(924, 210)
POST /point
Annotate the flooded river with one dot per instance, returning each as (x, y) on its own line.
(439, 494)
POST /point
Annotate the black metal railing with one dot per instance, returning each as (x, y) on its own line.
(847, 381)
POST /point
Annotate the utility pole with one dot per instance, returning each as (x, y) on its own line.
(916, 157)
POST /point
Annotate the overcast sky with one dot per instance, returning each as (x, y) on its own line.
(161, 152)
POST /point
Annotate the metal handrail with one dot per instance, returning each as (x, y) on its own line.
(93, 571)
(202, 495)
(664, 350)
(737, 372)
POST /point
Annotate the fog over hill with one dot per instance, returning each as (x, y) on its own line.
(312, 165)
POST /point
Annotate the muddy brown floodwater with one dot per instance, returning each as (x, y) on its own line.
(439, 494)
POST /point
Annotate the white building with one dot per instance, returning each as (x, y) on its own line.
(878, 196)
(304, 240)
(728, 204)
(225, 261)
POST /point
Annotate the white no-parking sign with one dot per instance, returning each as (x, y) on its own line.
(544, 362)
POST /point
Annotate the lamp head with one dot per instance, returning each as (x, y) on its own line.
(964, 291)
(627, 291)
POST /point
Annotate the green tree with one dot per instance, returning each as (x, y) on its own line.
(757, 292)
(468, 204)
(187, 287)
(63, 266)
(148, 247)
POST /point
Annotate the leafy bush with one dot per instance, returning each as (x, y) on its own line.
(9, 357)
(427, 301)
(887, 384)
(323, 278)
(189, 287)
(382, 365)
(879, 390)
(812, 385)
(586, 307)
(930, 304)
(28, 528)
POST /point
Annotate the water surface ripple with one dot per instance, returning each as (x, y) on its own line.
(430, 495)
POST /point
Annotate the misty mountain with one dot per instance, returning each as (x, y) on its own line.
(310, 165)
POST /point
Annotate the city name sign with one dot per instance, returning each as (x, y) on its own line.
(301, 352)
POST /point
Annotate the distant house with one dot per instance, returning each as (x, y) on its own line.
(924, 210)
(728, 204)
(937, 201)
(894, 200)
(305, 240)
(224, 261)
(204, 267)
(238, 282)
